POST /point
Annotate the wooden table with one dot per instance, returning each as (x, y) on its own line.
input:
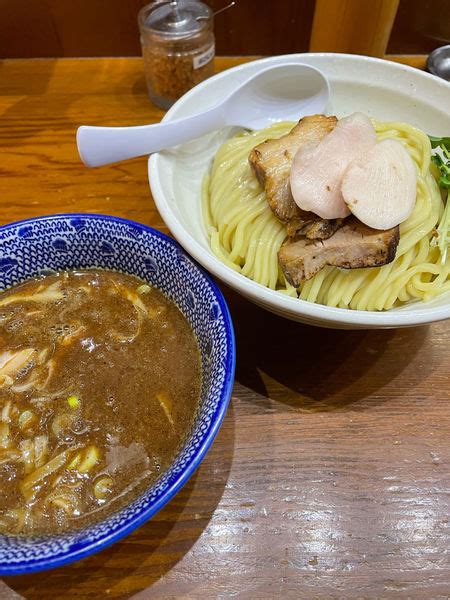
(330, 475)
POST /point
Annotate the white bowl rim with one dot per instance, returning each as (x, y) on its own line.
(294, 307)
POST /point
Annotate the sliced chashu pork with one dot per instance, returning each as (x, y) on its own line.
(353, 246)
(318, 166)
(271, 161)
(380, 187)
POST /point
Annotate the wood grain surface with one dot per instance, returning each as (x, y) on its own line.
(329, 478)
(52, 28)
(352, 26)
(38, 28)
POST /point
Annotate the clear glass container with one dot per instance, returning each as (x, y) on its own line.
(177, 40)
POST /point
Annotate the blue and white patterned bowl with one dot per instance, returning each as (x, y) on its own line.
(75, 241)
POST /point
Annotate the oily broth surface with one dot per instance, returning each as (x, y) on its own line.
(99, 385)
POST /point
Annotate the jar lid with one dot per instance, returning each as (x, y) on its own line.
(176, 18)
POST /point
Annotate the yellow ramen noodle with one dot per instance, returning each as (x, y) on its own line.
(246, 236)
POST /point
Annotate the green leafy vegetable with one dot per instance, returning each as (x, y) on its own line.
(439, 141)
(441, 158)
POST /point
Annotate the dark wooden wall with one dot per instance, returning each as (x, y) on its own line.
(109, 27)
(420, 26)
(39, 28)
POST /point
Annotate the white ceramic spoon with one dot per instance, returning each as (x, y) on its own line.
(279, 93)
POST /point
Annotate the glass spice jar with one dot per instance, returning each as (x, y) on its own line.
(177, 41)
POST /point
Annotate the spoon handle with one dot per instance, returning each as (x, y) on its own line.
(103, 145)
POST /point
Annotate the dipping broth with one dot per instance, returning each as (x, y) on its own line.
(99, 385)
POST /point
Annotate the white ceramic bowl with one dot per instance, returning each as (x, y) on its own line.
(379, 88)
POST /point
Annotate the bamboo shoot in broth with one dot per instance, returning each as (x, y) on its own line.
(100, 380)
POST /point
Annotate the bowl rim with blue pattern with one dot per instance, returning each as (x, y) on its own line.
(55, 240)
